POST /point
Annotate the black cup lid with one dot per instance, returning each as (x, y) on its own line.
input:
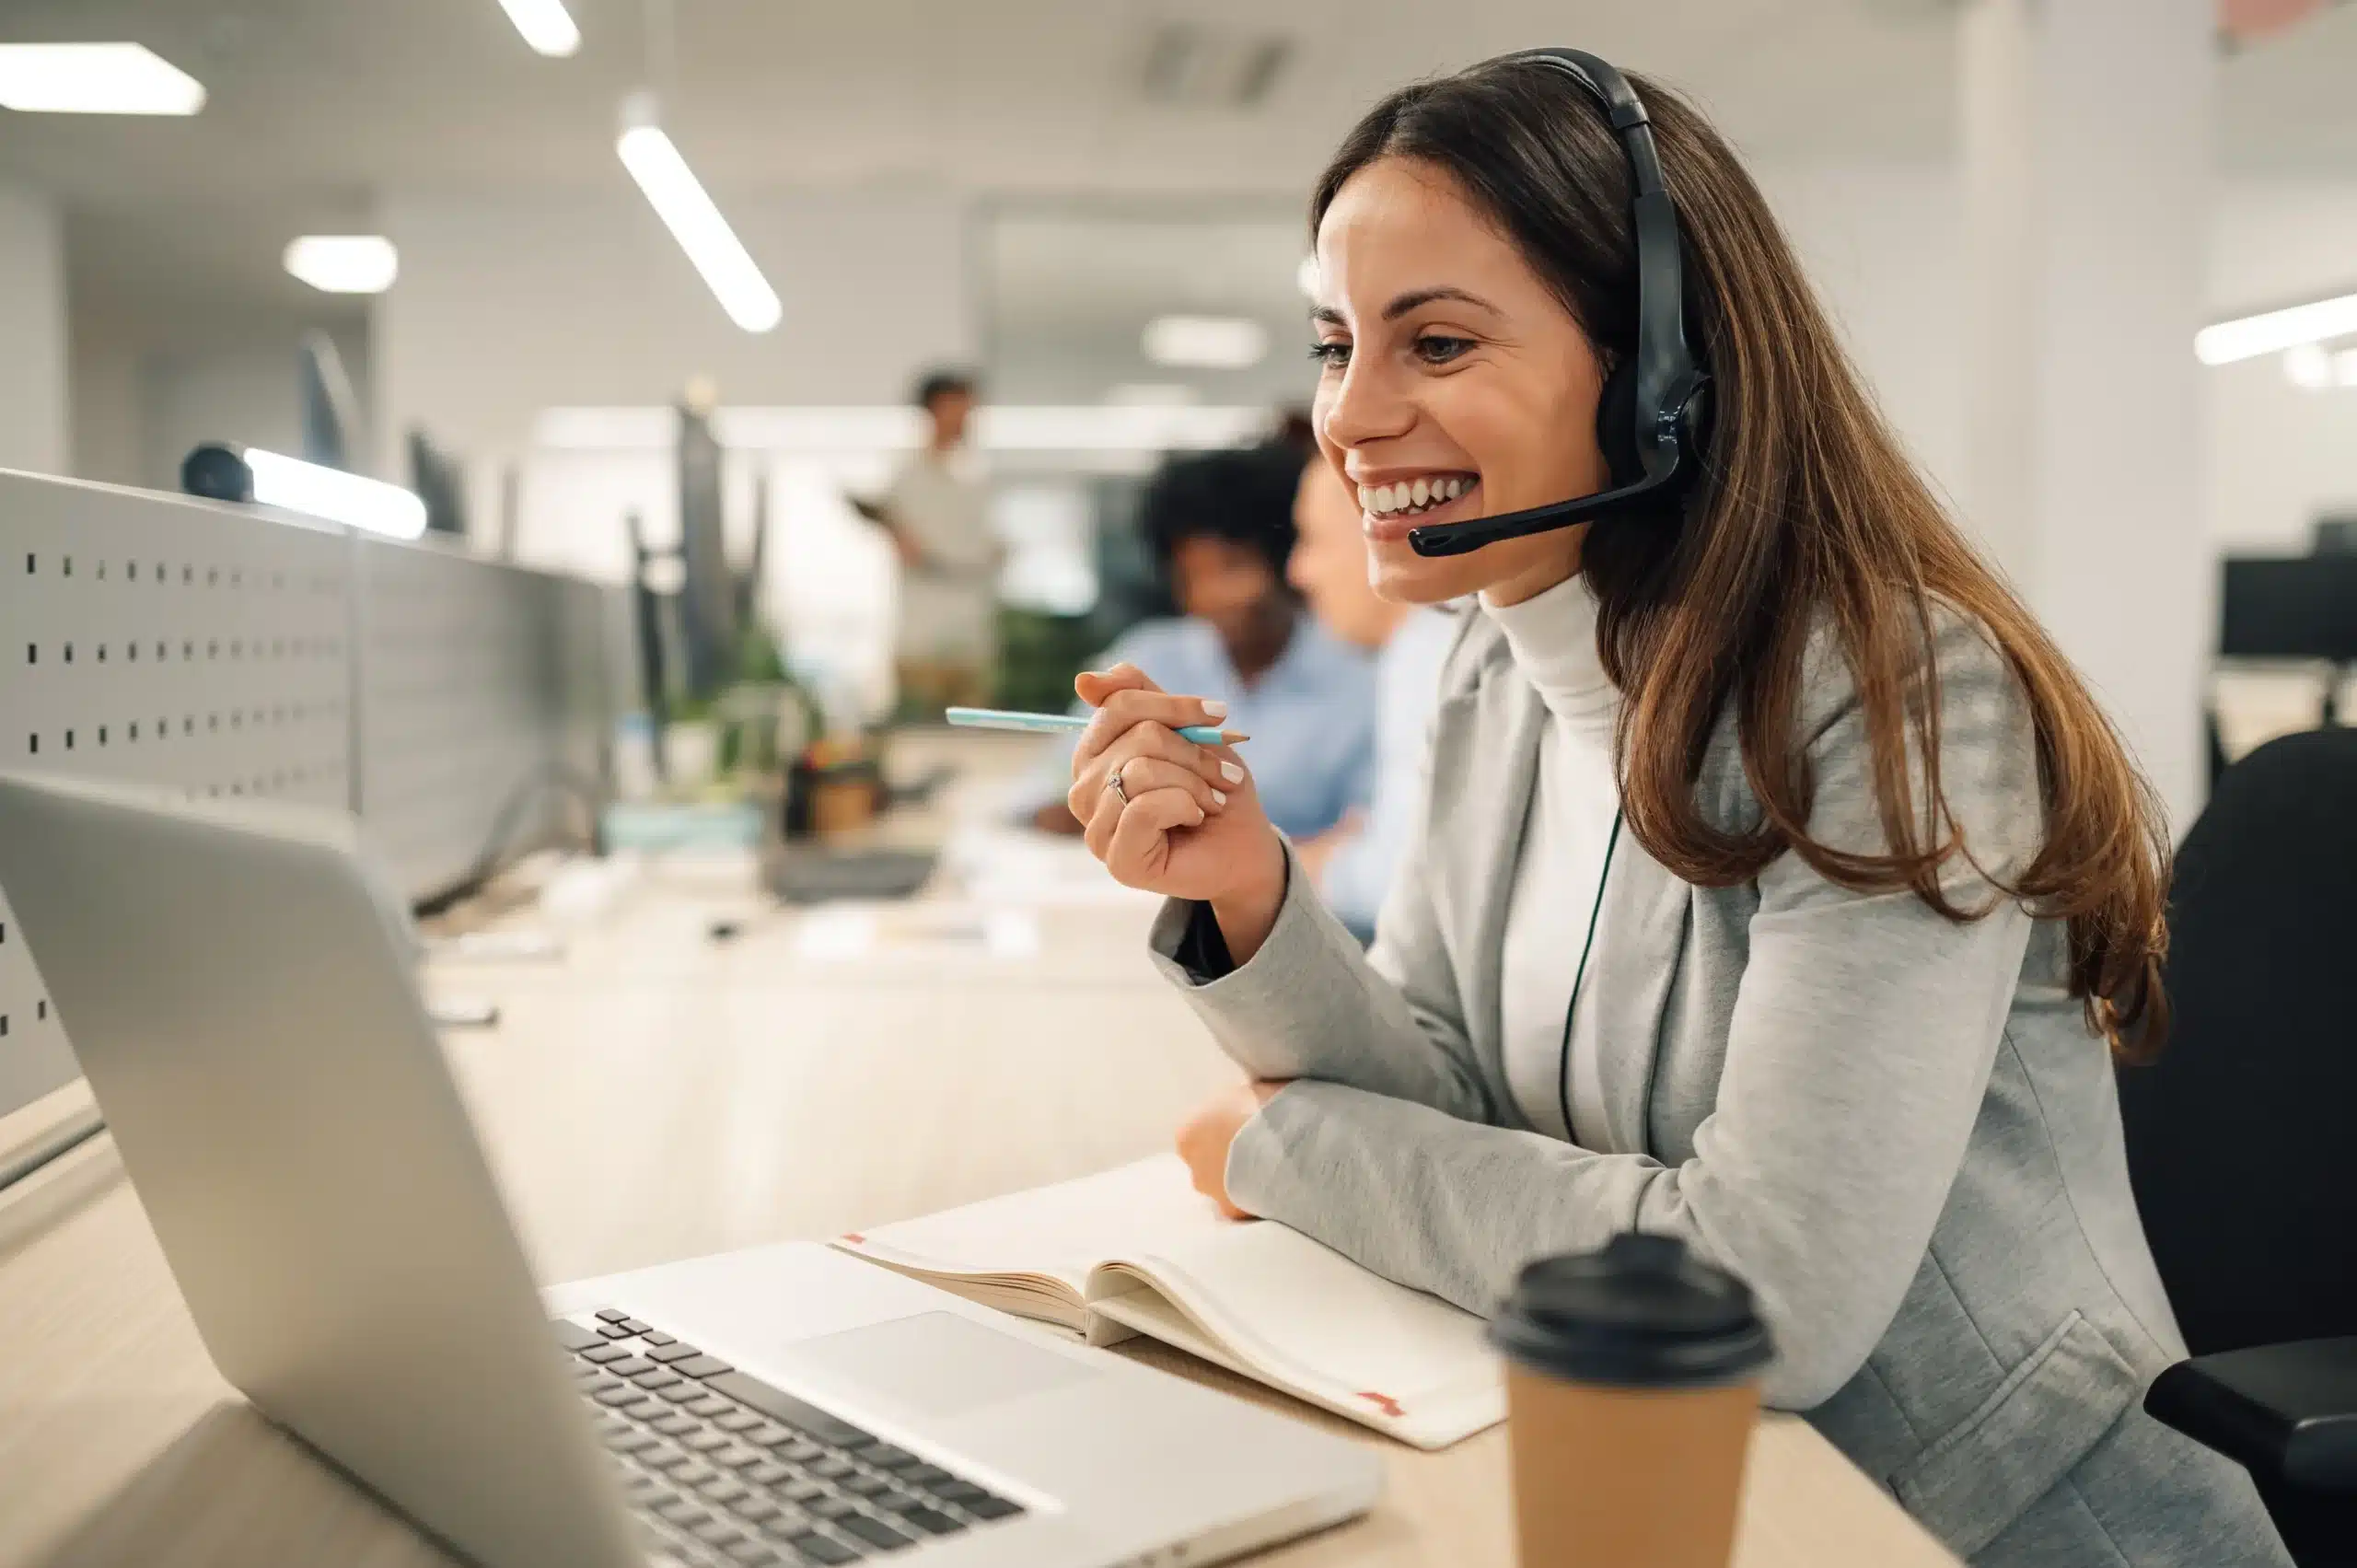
(1642, 1313)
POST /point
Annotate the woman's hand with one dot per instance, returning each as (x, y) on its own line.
(1204, 1139)
(1191, 826)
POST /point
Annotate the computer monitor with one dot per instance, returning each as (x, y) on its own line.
(2336, 534)
(330, 409)
(2289, 607)
(707, 594)
(440, 482)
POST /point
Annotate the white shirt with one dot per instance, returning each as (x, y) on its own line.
(950, 599)
(1574, 808)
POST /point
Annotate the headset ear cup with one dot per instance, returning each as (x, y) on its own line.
(1616, 424)
(1695, 422)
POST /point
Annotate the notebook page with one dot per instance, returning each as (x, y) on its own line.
(1291, 1312)
(1061, 1232)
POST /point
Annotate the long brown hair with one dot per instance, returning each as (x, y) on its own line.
(1809, 515)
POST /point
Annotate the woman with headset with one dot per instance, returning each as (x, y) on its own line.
(1780, 886)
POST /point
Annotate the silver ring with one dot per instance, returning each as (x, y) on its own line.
(1113, 782)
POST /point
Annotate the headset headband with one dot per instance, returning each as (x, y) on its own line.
(1669, 385)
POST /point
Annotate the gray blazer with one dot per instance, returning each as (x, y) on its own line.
(1899, 1129)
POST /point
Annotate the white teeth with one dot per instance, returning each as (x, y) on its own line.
(1379, 500)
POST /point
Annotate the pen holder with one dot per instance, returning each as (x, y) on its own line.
(831, 791)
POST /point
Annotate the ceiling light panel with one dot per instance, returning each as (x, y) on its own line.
(1205, 343)
(546, 24)
(679, 199)
(2247, 337)
(94, 79)
(344, 263)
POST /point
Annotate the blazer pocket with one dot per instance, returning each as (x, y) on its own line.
(1980, 1476)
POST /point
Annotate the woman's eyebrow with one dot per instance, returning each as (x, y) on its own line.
(1327, 316)
(1414, 297)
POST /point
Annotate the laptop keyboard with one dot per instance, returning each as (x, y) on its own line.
(722, 1468)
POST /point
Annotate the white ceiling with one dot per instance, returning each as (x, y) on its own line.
(317, 105)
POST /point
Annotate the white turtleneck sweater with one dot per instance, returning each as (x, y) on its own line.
(1573, 806)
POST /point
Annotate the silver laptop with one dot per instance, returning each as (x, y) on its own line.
(235, 984)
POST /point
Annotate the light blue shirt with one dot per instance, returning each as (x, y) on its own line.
(1407, 682)
(1310, 714)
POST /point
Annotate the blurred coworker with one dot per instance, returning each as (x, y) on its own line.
(1219, 526)
(1352, 861)
(948, 643)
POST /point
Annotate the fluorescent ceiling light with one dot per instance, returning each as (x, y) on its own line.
(94, 79)
(344, 263)
(1205, 343)
(1114, 427)
(678, 199)
(2307, 365)
(998, 427)
(338, 496)
(1155, 394)
(546, 24)
(1305, 277)
(2247, 337)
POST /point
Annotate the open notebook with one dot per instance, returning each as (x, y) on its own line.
(1137, 1251)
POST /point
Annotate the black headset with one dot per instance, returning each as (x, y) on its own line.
(1654, 413)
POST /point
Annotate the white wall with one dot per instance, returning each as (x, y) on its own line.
(245, 395)
(1880, 241)
(109, 399)
(509, 305)
(33, 389)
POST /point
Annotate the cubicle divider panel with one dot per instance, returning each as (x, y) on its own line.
(161, 641)
(483, 707)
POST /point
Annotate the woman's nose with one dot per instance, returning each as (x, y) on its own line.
(1362, 407)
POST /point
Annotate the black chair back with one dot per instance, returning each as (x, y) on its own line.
(2242, 1141)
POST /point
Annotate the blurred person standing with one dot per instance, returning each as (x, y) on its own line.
(1220, 529)
(936, 513)
(1352, 861)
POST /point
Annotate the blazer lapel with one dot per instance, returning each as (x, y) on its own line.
(1640, 939)
(1473, 877)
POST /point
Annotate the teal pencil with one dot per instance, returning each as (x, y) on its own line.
(1060, 724)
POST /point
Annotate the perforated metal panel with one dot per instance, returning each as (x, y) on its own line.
(478, 683)
(161, 641)
(217, 651)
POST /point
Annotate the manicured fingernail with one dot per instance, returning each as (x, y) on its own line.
(1231, 772)
(1219, 797)
(1213, 708)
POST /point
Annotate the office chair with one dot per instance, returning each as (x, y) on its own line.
(2239, 1139)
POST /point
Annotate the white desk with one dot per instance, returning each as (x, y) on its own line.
(690, 1098)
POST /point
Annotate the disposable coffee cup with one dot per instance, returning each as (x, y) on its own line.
(1632, 1383)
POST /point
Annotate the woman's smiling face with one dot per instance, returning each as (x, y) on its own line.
(1453, 384)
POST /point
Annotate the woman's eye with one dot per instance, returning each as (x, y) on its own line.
(1436, 350)
(1333, 356)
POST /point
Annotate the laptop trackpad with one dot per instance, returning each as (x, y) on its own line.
(937, 1364)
